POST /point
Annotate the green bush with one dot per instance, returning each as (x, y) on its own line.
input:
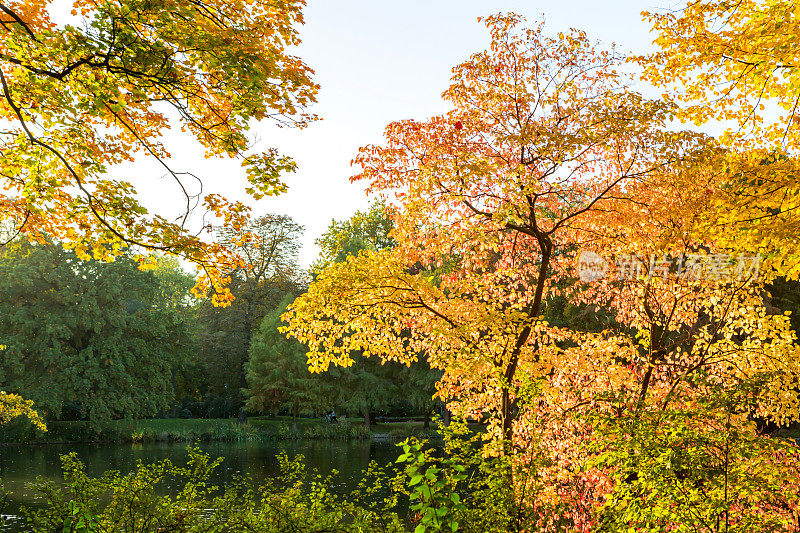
(458, 487)
(18, 430)
(301, 502)
(450, 486)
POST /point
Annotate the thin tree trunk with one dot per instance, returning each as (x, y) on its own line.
(242, 418)
(427, 423)
(507, 405)
(367, 420)
(174, 409)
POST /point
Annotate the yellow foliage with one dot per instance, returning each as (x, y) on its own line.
(13, 406)
(79, 99)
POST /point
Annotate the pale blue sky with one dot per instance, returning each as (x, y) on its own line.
(379, 61)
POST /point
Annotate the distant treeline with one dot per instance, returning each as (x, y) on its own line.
(94, 340)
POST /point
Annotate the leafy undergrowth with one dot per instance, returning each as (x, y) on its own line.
(299, 500)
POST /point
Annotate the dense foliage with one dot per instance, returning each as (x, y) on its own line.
(13, 406)
(301, 501)
(278, 367)
(268, 271)
(545, 154)
(609, 295)
(277, 376)
(104, 338)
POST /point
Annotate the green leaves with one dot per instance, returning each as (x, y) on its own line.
(365, 230)
(104, 336)
(691, 469)
(82, 520)
(432, 487)
(164, 496)
(264, 171)
(276, 371)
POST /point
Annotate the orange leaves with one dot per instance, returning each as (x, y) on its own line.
(544, 149)
(546, 152)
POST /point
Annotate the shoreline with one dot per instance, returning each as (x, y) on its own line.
(211, 430)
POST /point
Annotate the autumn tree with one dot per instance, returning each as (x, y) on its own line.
(81, 95)
(489, 196)
(368, 384)
(677, 384)
(13, 406)
(547, 152)
(736, 64)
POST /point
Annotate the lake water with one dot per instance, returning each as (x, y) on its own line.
(20, 465)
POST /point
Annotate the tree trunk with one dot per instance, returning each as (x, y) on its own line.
(427, 423)
(242, 419)
(173, 412)
(248, 324)
(294, 420)
(366, 418)
(508, 410)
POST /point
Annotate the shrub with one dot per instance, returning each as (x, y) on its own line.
(299, 502)
(462, 487)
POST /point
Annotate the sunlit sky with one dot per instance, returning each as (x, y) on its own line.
(379, 61)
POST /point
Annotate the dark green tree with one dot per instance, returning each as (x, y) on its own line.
(269, 272)
(363, 388)
(102, 336)
(277, 373)
(417, 383)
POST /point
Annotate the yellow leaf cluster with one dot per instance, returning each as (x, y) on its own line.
(13, 406)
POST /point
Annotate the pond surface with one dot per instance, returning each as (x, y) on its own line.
(20, 465)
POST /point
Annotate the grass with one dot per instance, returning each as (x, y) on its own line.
(223, 429)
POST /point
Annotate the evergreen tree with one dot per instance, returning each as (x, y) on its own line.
(277, 374)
